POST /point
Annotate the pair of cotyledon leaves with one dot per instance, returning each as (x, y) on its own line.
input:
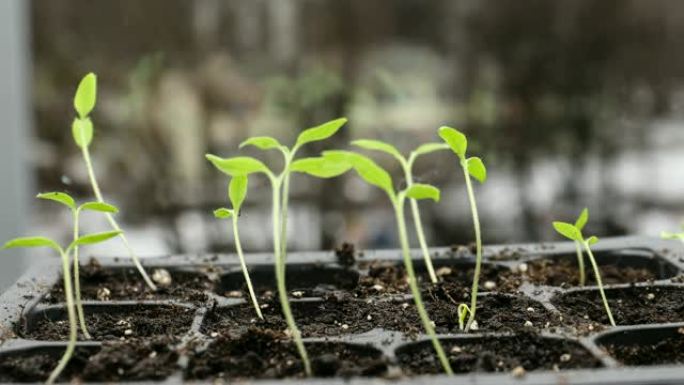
(84, 102)
(574, 231)
(68, 201)
(458, 143)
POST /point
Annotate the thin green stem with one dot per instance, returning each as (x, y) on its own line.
(112, 221)
(478, 245)
(415, 212)
(77, 282)
(238, 247)
(73, 327)
(597, 273)
(408, 263)
(580, 264)
(280, 277)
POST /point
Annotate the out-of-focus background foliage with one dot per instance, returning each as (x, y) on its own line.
(571, 103)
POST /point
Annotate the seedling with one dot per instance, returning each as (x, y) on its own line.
(237, 192)
(82, 131)
(472, 167)
(69, 202)
(244, 166)
(574, 232)
(375, 175)
(66, 276)
(407, 167)
(669, 235)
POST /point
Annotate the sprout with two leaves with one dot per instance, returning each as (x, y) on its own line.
(280, 184)
(237, 192)
(375, 175)
(82, 131)
(574, 233)
(407, 168)
(472, 167)
(66, 273)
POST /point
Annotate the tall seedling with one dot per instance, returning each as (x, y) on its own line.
(243, 166)
(375, 175)
(407, 167)
(237, 192)
(66, 277)
(574, 233)
(82, 130)
(472, 167)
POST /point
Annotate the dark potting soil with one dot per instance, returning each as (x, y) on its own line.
(127, 322)
(502, 354)
(664, 352)
(333, 317)
(98, 283)
(267, 354)
(391, 278)
(629, 306)
(565, 273)
(132, 360)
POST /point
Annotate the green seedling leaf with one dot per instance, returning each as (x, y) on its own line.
(423, 191)
(223, 213)
(367, 169)
(428, 148)
(237, 191)
(320, 167)
(568, 230)
(86, 95)
(476, 169)
(99, 207)
(91, 239)
(321, 132)
(455, 139)
(82, 131)
(31, 242)
(592, 240)
(59, 197)
(376, 145)
(582, 219)
(262, 143)
(239, 165)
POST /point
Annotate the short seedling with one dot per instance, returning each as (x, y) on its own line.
(669, 235)
(237, 192)
(82, 131)
(243, 166)
(69, 202)
(66, 276)
(375, 175)
(574, 233)
(407, 167)
(472, 167)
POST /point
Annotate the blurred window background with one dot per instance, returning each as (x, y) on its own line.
(571, 103)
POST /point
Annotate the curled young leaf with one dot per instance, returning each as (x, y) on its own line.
(86, 95)
(376, 145)
(582, 219)
(82, 131)
(365, 167)
(99, 207)
(239, 165)
(455, 139)
(59, 197)
(568, 230)
(321, 132)
(223, 213)
(31, 242)
(262, 143)
(476, 169)
(320, 167)
(237, 191)
(91, 239)
(428, 148)
(592, 240)
(423, 191)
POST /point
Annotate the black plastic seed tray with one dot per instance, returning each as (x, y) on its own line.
(534, 328)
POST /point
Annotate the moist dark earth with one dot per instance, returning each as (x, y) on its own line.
(117, 322)
(564, 272)
(667, 351)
